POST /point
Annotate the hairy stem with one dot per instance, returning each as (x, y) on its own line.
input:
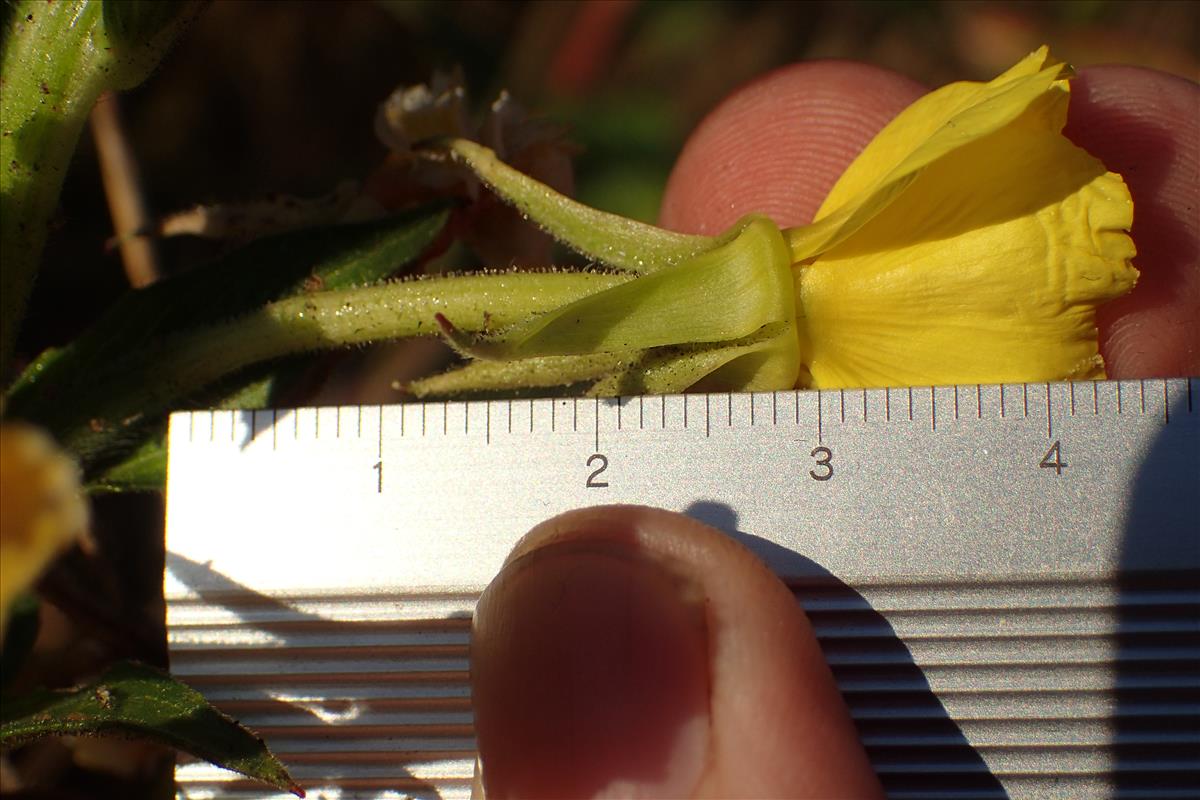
(186, 363)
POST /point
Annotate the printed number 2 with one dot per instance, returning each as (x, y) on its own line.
(824, 457)
(1053, 459)
(602, 461)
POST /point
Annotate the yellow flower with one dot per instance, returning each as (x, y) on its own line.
(42, 509)
(969, 242)
(982, 242)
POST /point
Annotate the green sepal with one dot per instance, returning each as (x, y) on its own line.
(608, 238)
(526, 373)
(720, 295)
(765, 360)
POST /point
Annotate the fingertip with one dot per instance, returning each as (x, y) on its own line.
(1142, 123)
(777, 145)
(655, 657)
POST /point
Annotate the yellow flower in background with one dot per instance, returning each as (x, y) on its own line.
(969, 242)
(42, 509)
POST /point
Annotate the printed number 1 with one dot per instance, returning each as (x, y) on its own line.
(1053, 459)
(378, 467)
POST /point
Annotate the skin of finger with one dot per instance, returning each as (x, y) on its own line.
(1145, 125)
(777, 146)
(779, 727)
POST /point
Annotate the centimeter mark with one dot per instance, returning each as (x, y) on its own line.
(819, 432)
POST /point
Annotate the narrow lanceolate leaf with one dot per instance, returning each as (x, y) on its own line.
(133, 699)
(143, 470)
(78, 386)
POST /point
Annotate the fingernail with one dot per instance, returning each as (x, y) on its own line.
(590, 674)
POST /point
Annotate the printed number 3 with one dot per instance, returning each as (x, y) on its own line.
(824, 457)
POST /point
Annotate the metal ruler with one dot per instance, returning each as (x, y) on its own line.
(1005, 579)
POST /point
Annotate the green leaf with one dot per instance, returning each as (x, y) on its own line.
(143, 470)
(138, 700)
(90, 394)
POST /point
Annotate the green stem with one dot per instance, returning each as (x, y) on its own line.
(393, 311)
(56, 59)
(323, 320)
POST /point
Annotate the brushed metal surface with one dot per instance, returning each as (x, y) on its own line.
(999, 625)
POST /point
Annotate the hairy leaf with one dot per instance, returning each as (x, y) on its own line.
(64, 390)
(133, 699)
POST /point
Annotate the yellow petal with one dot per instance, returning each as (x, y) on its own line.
(933, 127)
(42, 509)
(988, 268)
(923, 126)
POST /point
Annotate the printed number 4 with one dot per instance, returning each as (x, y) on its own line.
(1053, 459)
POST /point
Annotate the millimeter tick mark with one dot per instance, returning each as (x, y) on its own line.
(1049, 424)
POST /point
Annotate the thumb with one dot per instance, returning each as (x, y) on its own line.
(629, 652)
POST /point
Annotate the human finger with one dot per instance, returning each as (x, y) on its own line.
(1145, 125)
(629, 651)
(778, 145)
